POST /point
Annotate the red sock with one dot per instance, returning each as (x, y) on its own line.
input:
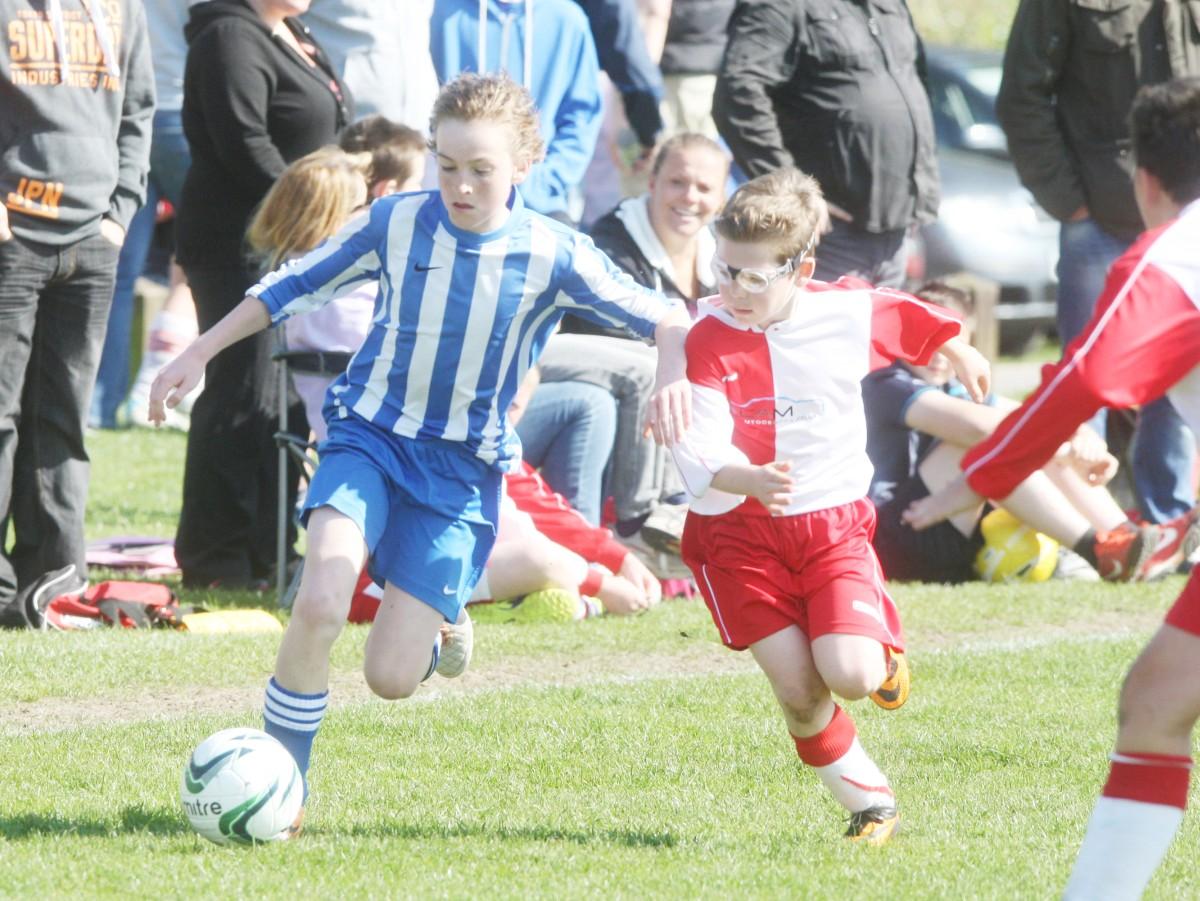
(831, 743)
(1150, 778)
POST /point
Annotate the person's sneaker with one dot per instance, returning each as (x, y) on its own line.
(1123, 552)
(894, 690)
(458, 640)
(663, 528)
(39, 593)
(665, 566)
(873, 826)
(1073, 568)
(294, 830)
(1165, 547)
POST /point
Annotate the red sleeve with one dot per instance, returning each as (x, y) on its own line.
(1143, 338)
(560, 522)
(703, 365)
(904, 328)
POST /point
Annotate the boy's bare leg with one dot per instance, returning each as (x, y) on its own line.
(400, 645)
(1037, 501)
(1094, 502)
(1142, 805)
(852, 666)
(336, 554)
(824, 734)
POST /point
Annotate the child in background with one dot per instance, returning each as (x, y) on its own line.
(392, 159)
(471, 283)
(919, 426)
(779, 530)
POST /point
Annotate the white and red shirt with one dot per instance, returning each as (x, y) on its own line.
(791, 391)
(1143, 341)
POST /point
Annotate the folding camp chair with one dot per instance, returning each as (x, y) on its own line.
(297, 448)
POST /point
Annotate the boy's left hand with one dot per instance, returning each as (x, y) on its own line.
(670, 413)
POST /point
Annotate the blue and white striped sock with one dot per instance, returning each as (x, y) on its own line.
(293, 719)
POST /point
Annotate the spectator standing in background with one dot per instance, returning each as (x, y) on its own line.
(258, 93)
(551, 52)
(691, 58)
(1071, 71)
(380, 51)
(835, 88)
(76, 104)
(175, 325)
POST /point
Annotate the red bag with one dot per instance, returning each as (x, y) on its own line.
(132, 605)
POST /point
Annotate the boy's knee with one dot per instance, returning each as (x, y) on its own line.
(389, 684)
(320, 610)
(854, 681)
(803, 702)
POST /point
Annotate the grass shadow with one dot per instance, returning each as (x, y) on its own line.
(130, 820)
(628, 838)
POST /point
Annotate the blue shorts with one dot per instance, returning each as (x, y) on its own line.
(427, 508)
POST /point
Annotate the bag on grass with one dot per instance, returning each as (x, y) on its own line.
(132, 605)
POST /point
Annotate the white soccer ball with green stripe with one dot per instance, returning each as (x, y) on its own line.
(241, 786)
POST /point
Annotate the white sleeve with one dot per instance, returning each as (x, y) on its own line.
(705, 450)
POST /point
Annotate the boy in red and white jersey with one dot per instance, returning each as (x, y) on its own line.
(1143, 341)
(779, 530)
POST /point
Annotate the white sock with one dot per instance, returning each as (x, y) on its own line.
(842, 764)
(1125, 842)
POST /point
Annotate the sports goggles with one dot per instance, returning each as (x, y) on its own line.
(756, 281)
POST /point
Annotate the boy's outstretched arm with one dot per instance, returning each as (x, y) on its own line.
(670, 412)
(182, 374)
(971, 367)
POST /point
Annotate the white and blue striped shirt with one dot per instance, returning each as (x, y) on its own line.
(459, 318)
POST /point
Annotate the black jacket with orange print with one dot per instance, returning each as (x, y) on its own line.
(76, 108)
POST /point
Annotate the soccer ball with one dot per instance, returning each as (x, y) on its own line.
(1013, 552)
(241, 786)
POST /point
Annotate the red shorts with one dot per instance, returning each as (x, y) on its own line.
(1185, 612)
(760, 574)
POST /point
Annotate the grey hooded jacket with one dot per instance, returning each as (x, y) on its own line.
(76, 108)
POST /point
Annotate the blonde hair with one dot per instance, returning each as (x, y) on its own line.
(495, 98)
(688, 140)
(312, 199)
(784, 209)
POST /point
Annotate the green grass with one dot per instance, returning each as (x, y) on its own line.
(610, 758)
(983, 23)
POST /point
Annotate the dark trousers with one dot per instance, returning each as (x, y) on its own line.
(227, 524)
(878, 258)
(53, 314)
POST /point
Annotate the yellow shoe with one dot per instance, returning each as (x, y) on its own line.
(873, 826)
(894, 690)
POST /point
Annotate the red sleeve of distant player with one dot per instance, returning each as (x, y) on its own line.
(904, 328)
(1143, 338)
(560, 522)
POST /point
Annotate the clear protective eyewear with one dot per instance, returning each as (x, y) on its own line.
(757, 281)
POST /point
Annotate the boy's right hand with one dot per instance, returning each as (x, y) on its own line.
(772, 486)
(173, 383)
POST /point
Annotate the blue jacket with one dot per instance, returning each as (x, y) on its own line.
(559, 68)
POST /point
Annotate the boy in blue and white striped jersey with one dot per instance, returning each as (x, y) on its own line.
(471, 284)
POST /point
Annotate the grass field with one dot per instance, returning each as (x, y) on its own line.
(611, 758)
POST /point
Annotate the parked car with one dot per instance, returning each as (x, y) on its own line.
(988, 224)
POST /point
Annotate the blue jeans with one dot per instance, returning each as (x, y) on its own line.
(1164, 450)
(567, 432)
(53, 312)
(169, 162)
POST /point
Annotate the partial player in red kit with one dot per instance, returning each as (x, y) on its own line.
(779, 530)
(1143, 342)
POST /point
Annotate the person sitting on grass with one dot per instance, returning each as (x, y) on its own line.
(470, 285)
(919, 426)
(779, 530)
(1143, 341)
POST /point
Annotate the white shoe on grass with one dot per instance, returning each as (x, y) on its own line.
(458, 640)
